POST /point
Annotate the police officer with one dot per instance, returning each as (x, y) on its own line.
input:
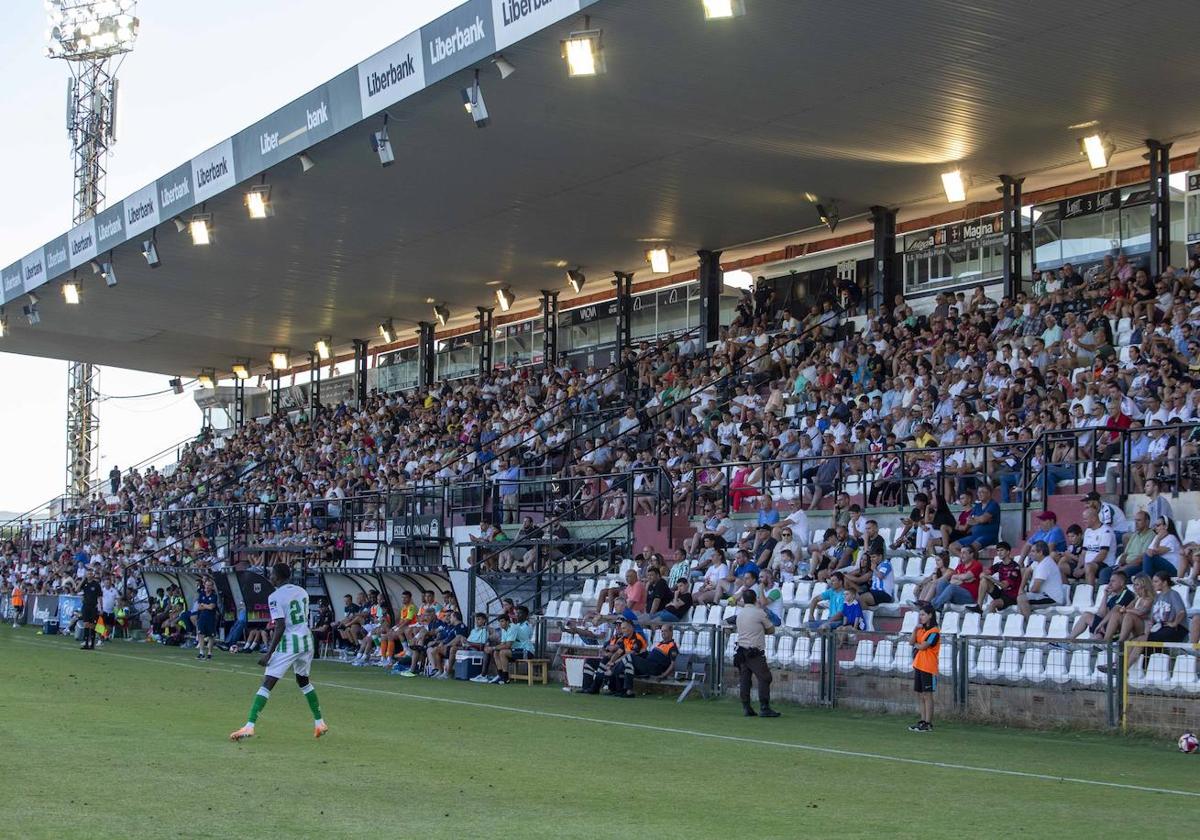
(753, 627)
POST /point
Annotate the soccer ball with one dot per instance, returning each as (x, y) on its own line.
(1188, 743)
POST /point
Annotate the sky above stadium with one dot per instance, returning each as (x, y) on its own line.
(200, 72)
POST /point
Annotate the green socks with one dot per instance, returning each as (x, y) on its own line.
(260, 700)
(310, 694)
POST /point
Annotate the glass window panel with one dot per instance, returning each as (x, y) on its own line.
(1135, 229)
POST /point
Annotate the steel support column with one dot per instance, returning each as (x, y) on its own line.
(1011, 222)
(549, 328)
(623, 280)
(239, 402)
(885, 283)
(1160, 209)
(425, 354)
(314, 383)
(275, 401)
(710, 295)
(486, 339)
(360, 372)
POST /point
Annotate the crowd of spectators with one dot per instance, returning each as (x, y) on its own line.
(933, 407)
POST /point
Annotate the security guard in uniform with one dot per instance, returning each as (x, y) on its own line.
(753, 627)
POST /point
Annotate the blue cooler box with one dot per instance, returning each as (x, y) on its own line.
(50, 627)
(468, 664)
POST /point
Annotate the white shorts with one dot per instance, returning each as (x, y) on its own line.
(279, 663)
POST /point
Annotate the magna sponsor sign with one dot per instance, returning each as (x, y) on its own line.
(140, 210)
(175, 193)
(212, 171)
(81, 243)
(33, 271)
(937, 241)
(458, 39)
(391, 74)
(110, 228)
(515, 19)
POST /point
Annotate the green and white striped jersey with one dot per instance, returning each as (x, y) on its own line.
(289, 604)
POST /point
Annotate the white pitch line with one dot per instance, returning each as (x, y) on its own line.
(695, 733)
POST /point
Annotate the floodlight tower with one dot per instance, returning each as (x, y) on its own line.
(88, 35)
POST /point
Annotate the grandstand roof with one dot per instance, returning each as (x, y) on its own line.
(703, 135)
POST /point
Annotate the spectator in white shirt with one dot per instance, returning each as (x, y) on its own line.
(1046, 587)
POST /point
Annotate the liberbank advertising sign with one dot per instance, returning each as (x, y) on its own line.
(466, 36)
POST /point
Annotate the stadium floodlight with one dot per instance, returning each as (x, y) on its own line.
(738, 279)
(387, 331)
(828, 215)
(955, 186)
(505, 298)
(3, 323)
(70, 291)
(180, 224)
(175, 384)
(584, 51)
(718, 9)
(150, 252)
(323, 349)
(241, 371)
(207, 378)
(659, 259)
(90, 29)
(258, 202)
(200, 228)
(306, 162)
(108, 273)
(504, 66)
(279, 360)
(472, 97)
(576, 279)
(31, 313)
(382, 146)
(1099, 149)
(442, 313)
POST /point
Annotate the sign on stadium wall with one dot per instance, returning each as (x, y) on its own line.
(941, 240)
(213, 171)
(391, 74)
(141, 210)
(110, 228)
(33, 270)
(516, 19)
(461, 37)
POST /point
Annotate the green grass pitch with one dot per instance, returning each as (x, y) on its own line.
(131, 741)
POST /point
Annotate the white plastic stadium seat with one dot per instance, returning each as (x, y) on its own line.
(1158, 671)
(772, 643)
(589, 589)
(700, 614)
(687, 641)
(787, 592)
(1192, 532)
(1010, 663)
(1032, 667)
(816, 651)
(803, 592)
(986, 664)
(971, 624)
(908, 593)
(884, 652)
(951, 623)
(1136, 675)
(1081, 667)
(909, 622)
(946, 659)
(1184, 677)
(1014, 626)
(902, 661)
(714, 614)
(1056, 665)
(794, 618)
(784, 650)
(862, 656)
(1059, 628)
(1036, 627)
(576, 609)
(800, 651)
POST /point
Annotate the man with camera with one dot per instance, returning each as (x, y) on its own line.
(753, 627)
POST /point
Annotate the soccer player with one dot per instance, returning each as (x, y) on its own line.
(291, 647)
(91, 609)
(926, 643)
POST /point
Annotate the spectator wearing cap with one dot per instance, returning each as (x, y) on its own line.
(1048, 532)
